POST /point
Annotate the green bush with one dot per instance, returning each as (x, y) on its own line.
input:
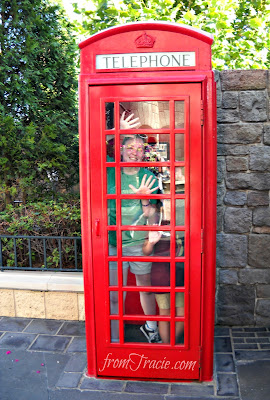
(51, 218)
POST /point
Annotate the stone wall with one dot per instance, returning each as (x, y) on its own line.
(243, 227)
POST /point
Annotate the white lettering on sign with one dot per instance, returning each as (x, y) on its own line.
(136, 361)
(146, 60)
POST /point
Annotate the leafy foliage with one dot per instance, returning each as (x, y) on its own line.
(38, 91)
(240, 27)
(49, 218)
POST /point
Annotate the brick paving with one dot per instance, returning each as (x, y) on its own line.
(46, 360)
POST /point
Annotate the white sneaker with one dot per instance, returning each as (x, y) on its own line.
(152, 335)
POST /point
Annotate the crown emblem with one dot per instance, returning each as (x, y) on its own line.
(145, 40)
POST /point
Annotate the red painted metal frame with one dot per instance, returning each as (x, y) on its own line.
(188, 40)
(191, 350)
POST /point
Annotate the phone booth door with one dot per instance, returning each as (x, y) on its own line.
(146, 198)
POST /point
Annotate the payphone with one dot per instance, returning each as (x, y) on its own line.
(148, 201)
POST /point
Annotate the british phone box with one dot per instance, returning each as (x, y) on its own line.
(148, 201)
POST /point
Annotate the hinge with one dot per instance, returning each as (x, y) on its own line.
(202, 112)
(202, 244)
(200, 355)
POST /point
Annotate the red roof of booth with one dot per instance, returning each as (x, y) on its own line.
(161, 26)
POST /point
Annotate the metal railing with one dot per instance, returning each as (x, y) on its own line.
(35, 253)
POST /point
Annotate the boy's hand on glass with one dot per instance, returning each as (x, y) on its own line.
(129, 122)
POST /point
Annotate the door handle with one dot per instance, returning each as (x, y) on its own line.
(97, 227)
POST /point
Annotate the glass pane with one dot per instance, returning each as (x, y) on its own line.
(132, 242)
(109, 115)
(180, 243)
(111, 211)
(143, 243)
(132, 332)
(114, 303)
(179, 333)
(132, 212)
(135, 331)
(160, 274)
(114, 331)
(157, 147)
(150, 114)
(180, 212)
(112, 240)
(179, 274)
(179, 114)
(145, 147)
(111, 180)
(113, 275)
(179, 147)
(110, 148)
(180, 180)
(140, 212)
(164, 304)
(166, 210)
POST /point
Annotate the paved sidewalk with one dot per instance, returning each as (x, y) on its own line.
(46, 360)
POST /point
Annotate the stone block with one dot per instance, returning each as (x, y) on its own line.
(242, 133)
(261, 229)
(258, 251)
(29, 304)
(218, 85)
(261, 216)
(69, 380)
(251, 276)
(232, 150)
(236, 305)
(236, 163)
(263, 308)
(231, 250)
(234, 198)
(147, 387)
(229, 100)
(228, 276)
(183, 391)
(221, 190)
(266, 134)
(258, 199)
(263, 291)
(7, 303)
(78, 345)
(227, 385)
(263, 321)
(237, 220)
(259, 159)
(102, 384)
(61, 305)
(253, 180)
(50, 343)
(224, 363)
(81, 307)
(220, 214)
(253, 106)
(227, 115)
(244, 79)
(221, 169)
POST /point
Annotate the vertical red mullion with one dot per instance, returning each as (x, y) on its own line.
(118, 221)
(187, 223)
(172, 187)
(104, 179)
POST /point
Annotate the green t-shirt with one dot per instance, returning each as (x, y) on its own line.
(131, 209)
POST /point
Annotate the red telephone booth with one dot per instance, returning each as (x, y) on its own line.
(148, 201)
